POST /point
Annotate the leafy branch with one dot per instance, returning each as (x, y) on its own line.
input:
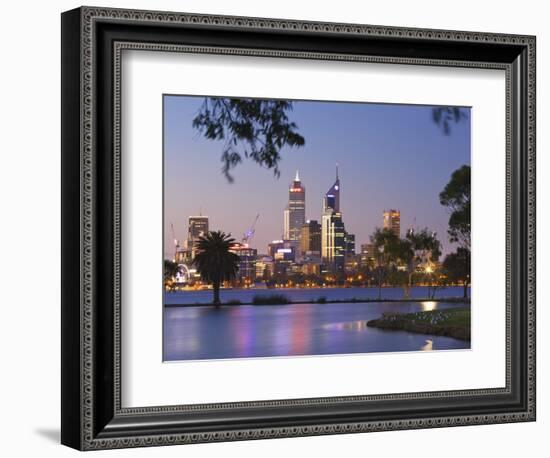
(250, 128)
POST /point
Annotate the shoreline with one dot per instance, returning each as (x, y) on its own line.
(458, 300)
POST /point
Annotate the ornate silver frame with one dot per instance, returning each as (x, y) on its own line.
(95, 405)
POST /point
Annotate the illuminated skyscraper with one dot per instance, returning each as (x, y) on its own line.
(333, 232)
(350, 244)
(332, 197)
(368, 254)
(283, 253)
(295, 212)
(198, 226)
(392, 220)
(310, 240)
(247, 262)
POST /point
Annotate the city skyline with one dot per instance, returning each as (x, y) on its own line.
(192, 165)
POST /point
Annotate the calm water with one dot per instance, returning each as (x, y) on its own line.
(312, 294)
(192, 333)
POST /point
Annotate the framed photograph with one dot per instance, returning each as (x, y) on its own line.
(276, 228)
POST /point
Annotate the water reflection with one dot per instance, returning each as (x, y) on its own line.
(428, 306)
(346, 326)
(428, 346)
(192, 333)
(308, 294)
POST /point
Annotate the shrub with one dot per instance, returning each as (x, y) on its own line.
(234, 302)
(272, 299)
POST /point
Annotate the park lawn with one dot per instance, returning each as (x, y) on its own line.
(452, 322)
(459, 316)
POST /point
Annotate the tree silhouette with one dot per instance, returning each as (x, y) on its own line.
(215, 261)
(456, 197)
(456, 267)
(258, 129)
(170, 269)
(387, 247)
(445, 116)
(424, 245)
(255, 129)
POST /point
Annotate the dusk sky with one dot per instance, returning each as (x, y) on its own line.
(389, 156)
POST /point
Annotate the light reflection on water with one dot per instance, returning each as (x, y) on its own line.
(359, 325)
(427, 306)
(428, 346)
(192, 333)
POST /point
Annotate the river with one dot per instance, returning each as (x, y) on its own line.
(244, 331)
(307, 294)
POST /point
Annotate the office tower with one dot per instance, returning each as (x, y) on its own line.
(281, 247)
(283, 253)
(332, 197)
(295, 212)
(392, 221)
(198, 226)
(333, 233)
(368, 255)
(247, 262)
(350, 244)
(310, 238)
(264, 267)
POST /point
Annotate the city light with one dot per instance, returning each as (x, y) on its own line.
(312, 254)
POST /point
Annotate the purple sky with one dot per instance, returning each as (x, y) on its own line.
(389, 156)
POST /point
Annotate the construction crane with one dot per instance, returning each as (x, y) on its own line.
(247, 236)
(176, 242)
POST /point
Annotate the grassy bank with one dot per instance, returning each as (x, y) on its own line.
(453, 322)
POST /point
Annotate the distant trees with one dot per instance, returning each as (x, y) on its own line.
(423, 248)
(386, 250)
(170, 269)
(255, 129)
(396, 259)
(215, 261)
(456, 197)
(456, 268)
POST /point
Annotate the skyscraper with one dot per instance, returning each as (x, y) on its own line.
(198, 226)
(392, 221)
(283, 253)
(247, 262)
(333, 232)
(350, 244)
(332, 197)
(295, 212)
(368, 254)
(310, 239)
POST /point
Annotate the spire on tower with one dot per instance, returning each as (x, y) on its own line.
(337, 170)
(297, 176)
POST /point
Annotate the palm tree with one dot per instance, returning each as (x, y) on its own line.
(215, 261)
